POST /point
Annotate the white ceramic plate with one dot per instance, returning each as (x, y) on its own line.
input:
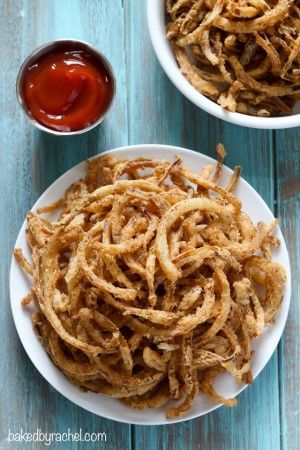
(108, 407)
(162, 48)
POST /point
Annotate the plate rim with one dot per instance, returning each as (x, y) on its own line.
(172, 148)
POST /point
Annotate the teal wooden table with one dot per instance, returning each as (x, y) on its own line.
(148, 109)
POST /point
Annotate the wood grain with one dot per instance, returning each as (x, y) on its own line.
(147, 109)
(30, 161)
(178, 122)
(288, 206)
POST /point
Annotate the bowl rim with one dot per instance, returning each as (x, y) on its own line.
(43, 49)
(74, 399)
(163, 51)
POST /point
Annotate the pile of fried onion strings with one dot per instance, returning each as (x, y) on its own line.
(151, 281)
(242, 54)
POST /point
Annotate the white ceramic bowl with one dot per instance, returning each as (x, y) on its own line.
(156, 25)
(111, 408)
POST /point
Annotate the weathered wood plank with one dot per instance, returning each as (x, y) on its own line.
(159, 114)
(156, 112)
(30, 161)
(248, 426)
(151, 118)
(288, 188)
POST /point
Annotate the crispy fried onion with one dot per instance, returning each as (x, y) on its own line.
(242, 54)
(150, 280)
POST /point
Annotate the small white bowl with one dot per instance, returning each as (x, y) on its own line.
(162, 48)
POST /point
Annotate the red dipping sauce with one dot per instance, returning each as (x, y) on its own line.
(67, 89)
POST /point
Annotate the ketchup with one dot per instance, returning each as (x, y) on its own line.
(67, 89)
